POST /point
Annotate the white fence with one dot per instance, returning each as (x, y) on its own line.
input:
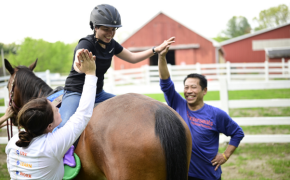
(221, 77)
(148, 75)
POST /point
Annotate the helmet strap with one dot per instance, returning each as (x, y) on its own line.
(102, 42)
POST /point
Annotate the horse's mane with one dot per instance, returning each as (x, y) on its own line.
(30, 85)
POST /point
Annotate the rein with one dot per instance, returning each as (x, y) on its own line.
(13, 105)
(11, 102)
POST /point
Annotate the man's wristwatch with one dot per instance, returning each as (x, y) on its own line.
(154, 50)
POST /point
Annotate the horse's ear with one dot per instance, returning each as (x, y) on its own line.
(33, 65)
(9, 67)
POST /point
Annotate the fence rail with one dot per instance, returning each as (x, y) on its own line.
(148, 75)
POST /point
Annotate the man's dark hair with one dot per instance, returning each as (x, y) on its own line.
(202, 79)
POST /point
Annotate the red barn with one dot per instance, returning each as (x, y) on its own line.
(268, 44)
(189, 47)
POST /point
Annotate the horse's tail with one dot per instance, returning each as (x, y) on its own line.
(173, 139)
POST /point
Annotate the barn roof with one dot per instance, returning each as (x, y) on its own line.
(251, 35)
(215, 43)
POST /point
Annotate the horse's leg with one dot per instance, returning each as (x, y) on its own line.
(89, 169)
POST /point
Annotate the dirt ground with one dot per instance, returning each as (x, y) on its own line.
(252, 169)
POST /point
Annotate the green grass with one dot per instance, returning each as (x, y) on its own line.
(258, 161)
(211, 95)
(236, 95)
(3, 166)
(262, 150)
(280, 165)
(260, 112)
(260, 94)
(274, 129)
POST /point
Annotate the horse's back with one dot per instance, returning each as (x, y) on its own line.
(120, 141)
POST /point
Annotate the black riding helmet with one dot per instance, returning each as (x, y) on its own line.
(105, 15)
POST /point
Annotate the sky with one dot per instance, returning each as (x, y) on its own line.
(68, 20)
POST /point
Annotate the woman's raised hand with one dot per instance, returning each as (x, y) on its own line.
(164, 45)
(86, 62)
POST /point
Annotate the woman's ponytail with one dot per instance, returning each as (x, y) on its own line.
(24, 139)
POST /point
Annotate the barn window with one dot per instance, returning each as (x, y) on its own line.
(170, 57)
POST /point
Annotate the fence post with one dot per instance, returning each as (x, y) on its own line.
(147, 74)
(3, 64)
(266, 71)
(217, 69)
(283, 67)
(289, 68)
(169, 67)
(228, 71)
(6, 97)
(111, 79)
(224, 99)
(47, 77)
(198, 68)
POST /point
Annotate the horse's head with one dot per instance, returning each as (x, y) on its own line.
(15, 98)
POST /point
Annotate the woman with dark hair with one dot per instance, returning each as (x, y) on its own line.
(37, 152)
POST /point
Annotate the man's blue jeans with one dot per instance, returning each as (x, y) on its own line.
(70, 103)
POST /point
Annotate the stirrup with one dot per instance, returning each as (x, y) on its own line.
(72, 164)
(72, 172)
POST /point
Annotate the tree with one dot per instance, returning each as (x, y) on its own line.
(236, 26)
(273, 17)
(220, 38)
(57, 57)
(9, 48)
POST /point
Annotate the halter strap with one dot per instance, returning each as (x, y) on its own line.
(11, 102)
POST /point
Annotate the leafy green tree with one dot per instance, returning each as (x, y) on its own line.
(236, 26)
(273, 17)
(221, 38)
(7, 48)
(57, 57)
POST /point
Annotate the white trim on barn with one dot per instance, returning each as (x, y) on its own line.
(261, 45)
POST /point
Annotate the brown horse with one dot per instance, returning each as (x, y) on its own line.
(129, 137)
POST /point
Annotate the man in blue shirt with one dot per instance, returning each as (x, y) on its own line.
(204, 121)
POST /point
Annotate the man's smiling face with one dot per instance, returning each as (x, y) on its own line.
(193, 92)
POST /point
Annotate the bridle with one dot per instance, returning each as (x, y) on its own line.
(13, 105)
(11, 102)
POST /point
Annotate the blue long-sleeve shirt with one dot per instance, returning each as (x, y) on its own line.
(205, 126)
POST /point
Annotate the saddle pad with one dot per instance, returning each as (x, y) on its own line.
(56, 98)
(55, 95)
(69, 172)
